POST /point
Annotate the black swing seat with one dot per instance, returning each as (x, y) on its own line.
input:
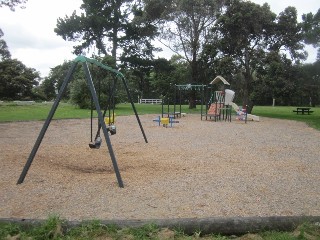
(96, 144)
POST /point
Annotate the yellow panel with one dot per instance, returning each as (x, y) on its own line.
(165, 121)
(109, 121)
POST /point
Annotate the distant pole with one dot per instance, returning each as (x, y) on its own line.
(273, 102)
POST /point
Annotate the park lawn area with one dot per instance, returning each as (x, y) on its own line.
(39, 111)
(12, 112)
(286, 112)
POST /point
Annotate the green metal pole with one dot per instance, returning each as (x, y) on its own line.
(102, 123)
(46, 124)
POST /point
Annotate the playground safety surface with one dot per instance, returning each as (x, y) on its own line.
(196, 169)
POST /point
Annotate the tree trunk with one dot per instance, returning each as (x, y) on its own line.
(192, 99)
(247, 86)
(116, 25)
(195, 80)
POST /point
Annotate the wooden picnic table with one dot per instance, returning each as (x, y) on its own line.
(303, 110)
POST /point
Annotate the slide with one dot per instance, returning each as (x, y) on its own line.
(249, 116)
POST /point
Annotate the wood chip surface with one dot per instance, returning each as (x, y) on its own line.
(195, 169)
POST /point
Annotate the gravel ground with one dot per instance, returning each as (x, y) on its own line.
(195, 169)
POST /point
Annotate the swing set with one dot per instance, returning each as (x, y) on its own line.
(104, 123)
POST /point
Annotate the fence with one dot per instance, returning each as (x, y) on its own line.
(24, 102)
(150, 101)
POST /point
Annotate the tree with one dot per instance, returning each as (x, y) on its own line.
(165, 74)
(310, 84)
(12, 3)
(288, 35)
(121, 22)
(4, 51)
(184, 24)
(103, 81)
(102, 21)
(17, 80)
(248, 31)
(311, 28)
(47, 89)
(55, 78)
(137, 49)
(278, 79)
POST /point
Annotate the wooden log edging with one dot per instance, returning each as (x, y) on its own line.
(213, 225)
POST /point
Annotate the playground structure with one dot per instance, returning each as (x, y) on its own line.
(167, 121)
(243, 115)
(219, 105)
(178, 89)
(102, 120)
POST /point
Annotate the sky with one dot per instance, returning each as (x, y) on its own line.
(29, 33)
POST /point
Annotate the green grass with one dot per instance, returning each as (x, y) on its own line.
(313, 120)
(54, 228)
(11, 112)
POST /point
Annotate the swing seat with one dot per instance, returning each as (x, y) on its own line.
(112, 129)
(110, 120)
(96, 144)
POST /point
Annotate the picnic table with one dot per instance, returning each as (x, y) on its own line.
(303, 110)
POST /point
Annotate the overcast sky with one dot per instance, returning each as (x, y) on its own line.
(30, 35)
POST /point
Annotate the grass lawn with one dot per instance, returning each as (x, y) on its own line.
(39, 111)
(313, 120)
(12, 112)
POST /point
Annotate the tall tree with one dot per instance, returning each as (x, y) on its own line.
(137, 48)
(311, 28)
(121, 22)
(310, 83)
(100, 22)
(249, 31)
(184, 27)
(288, 35)
(277, 79)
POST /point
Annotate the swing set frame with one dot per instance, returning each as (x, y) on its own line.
(102, 124)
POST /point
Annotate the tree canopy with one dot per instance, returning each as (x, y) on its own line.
(4, 51)
(106, 25)
(259, 52)
(247, 32)
(17, 80)
(12, 4)
(311, 27)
